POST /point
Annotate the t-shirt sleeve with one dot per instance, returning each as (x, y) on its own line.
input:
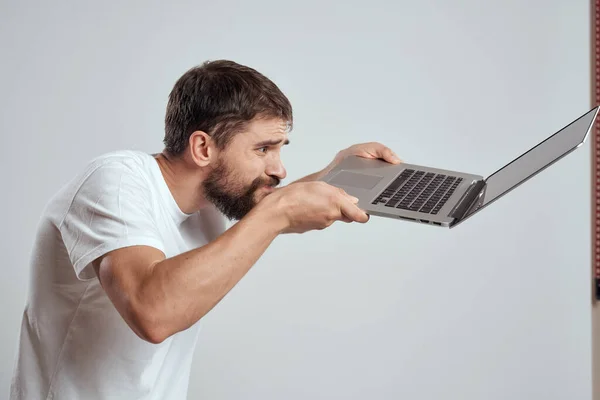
(112, 209)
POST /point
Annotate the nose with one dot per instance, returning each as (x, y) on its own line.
(276, 169)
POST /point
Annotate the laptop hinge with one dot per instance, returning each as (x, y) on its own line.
(464, 204)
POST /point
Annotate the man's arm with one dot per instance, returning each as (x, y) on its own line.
(158, 297)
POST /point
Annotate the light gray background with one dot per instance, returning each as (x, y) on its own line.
(496, 309)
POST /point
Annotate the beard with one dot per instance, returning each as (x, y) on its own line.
(229, 195)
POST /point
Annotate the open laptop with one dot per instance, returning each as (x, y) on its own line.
(442, 197)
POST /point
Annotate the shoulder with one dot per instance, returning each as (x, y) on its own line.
(110, 179)
(121, 168)
(122, 162)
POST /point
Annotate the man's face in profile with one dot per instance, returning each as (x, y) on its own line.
(248, 169)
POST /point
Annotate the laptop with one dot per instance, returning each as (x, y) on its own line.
(443, 197)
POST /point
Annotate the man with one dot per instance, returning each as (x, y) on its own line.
(133, 252)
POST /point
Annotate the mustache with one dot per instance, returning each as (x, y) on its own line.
(259, 182)
(273, 181)
(270, 181)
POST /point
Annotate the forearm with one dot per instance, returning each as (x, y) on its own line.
(181, 290)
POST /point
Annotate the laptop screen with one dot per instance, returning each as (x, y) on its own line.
(535, 160)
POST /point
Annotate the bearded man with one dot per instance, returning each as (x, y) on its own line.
(134, 251)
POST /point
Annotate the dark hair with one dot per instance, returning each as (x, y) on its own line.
(220, 98)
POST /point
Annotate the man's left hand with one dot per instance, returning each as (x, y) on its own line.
(372, 150)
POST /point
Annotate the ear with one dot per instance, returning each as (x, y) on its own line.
(202, 148)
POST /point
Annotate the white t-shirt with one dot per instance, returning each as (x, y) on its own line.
(73, 343)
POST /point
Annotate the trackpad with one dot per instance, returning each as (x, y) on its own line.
(355, 179)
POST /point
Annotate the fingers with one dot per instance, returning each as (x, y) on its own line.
(378, 150)
(353, 199)
(388, 155)
(350, 211)
(347, 206)
(346, 219)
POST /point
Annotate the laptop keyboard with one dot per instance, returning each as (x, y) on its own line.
(419, 191)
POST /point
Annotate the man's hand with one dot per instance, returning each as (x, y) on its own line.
(372, 150)
(309, 206)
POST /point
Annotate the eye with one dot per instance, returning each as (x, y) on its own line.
(263, 149)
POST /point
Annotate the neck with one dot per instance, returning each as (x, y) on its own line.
(183, 181)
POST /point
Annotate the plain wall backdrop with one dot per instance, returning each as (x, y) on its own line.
(496, 309)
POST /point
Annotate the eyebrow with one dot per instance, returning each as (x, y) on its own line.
(272, 143)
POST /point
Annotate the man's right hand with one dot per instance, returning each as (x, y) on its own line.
(306, 206)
